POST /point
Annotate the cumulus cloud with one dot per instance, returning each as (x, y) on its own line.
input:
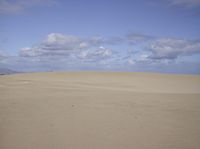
(99, 53)
(165, 55)
(57, 44)
(185, 3)
(156, 48)
(54, 44)
(169, 48)
(15, 6)
(64, 52)
(72, 51)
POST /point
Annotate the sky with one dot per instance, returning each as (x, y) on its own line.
(101, 35)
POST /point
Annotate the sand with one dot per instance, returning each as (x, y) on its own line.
(99, 110)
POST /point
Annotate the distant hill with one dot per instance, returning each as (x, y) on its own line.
(4, 71)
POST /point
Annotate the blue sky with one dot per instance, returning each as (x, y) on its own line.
(114, 35)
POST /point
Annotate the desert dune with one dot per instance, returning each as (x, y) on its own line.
(99, 110)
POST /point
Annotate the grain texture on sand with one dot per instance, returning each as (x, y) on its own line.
(91, 110)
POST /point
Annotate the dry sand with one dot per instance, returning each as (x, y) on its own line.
(91, 110)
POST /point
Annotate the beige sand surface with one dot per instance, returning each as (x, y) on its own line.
(98, 110)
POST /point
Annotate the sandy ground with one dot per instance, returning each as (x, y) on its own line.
(89, 110)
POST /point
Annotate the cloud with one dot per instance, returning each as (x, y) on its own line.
(152, 49)
(54, 44)
(65, 52)
(165, 55)
(185, 3)
(15, 6)
(170, 48)
(72, 51)
(99, 53)
(65, 45)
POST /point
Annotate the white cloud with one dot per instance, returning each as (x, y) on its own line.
(83, 45)
(64, 52)
(27, 52)
(103, 52)
(7, 6)
(94, 54)
(169, 48)
(131, 61)
(57, 38)
(54, 44)
(57, 44)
